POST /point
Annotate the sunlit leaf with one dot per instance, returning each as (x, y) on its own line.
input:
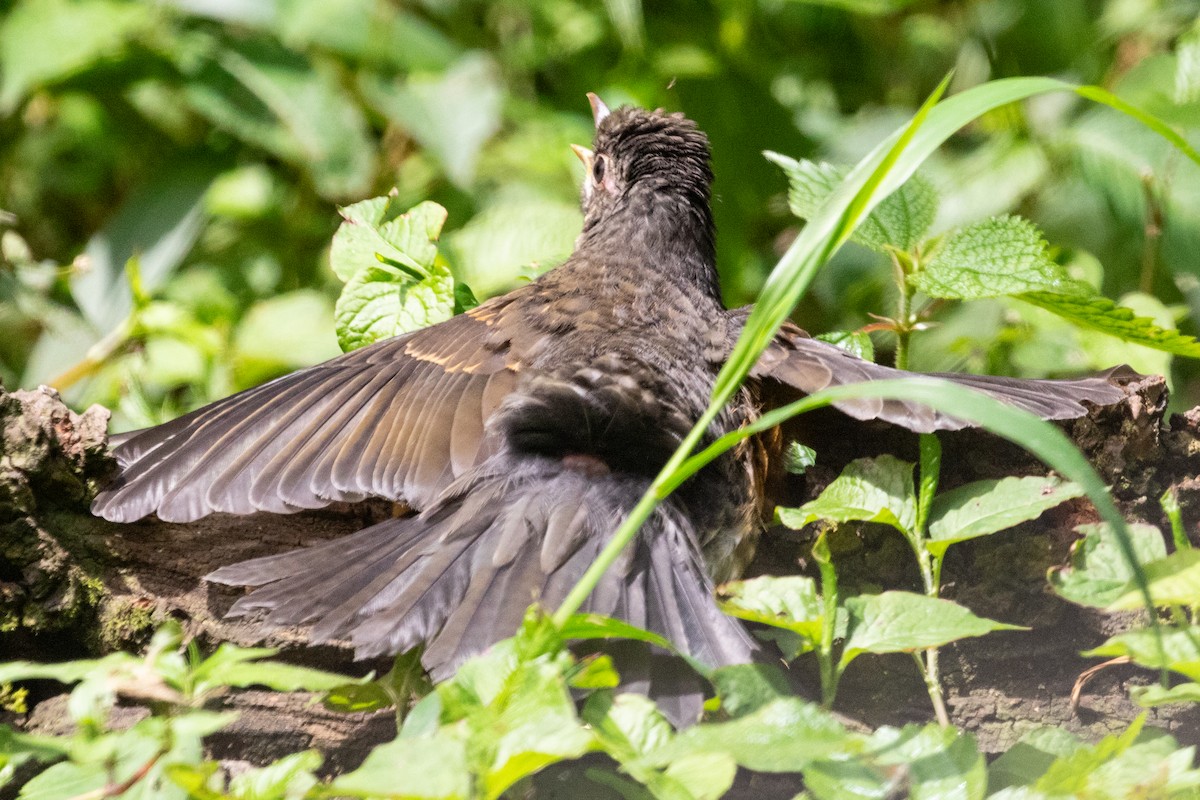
(996, 257)
(1098, 575)
(1174, 580)
(1180, 650)
(901, 220)
(791, 602)
(868, 490)
(984, 507)
(903, 622)
(1102, 314)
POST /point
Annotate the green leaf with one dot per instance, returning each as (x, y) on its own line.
(283, 333)
(382, 296)
(705, 776)
(901, 220)
(868, 490)
(451, 114)
(631, 729)
(1155, 695)
(797, 458)
(1050, 762)
(50, 40)
(791, 602)
(856, 343)
(1098, 575)
(902, 622)
(992, 258)
(937, 762)
(785, 735)
(378, 231)
(404, 681)
(1028, 759)
(534, 725)
(748, 687)
(1180, 649)
(418, 767)
(1174, 580)
(237, 666)
(289, 778)
(1101, 314)
(984, 507)
(598, 626)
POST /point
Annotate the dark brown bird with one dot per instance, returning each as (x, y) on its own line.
(523, 431)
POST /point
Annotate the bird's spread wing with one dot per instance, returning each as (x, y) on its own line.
(798, 362)
(399, 419)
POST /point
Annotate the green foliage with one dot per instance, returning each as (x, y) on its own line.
(394, 282)
(159, 756)
(168, 181)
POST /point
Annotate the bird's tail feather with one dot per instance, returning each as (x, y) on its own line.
(460, 575)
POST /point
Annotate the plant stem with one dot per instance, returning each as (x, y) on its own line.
(929, 670)
(831, 672)
(903, 265)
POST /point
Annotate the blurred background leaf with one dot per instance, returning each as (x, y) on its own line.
(214, 140)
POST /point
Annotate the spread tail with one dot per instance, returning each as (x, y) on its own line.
(460, 575)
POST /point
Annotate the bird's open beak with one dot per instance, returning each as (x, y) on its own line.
(599, 110)
(586, 156)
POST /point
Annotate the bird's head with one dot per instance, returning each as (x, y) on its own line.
(642, 158)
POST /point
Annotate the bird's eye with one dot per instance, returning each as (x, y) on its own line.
(598, 168)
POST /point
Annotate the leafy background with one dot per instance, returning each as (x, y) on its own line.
(215, 139)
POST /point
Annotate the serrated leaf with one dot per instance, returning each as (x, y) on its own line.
(378, 228)
(237, 666)
(868, 490)
(377, 303)
(992, 258)
(790, 602)
(901, 220)
(536, 725)
(1098, 574)
(1102, 314)
(984, 507)
(1174, 580)
(903, 622)
(1180, 650)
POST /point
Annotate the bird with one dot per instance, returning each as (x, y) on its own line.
(522, 431)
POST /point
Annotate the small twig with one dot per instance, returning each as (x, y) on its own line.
(118, 789)
(1087, 675)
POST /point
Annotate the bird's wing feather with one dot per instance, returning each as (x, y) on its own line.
(399, 419)
(798, 362)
